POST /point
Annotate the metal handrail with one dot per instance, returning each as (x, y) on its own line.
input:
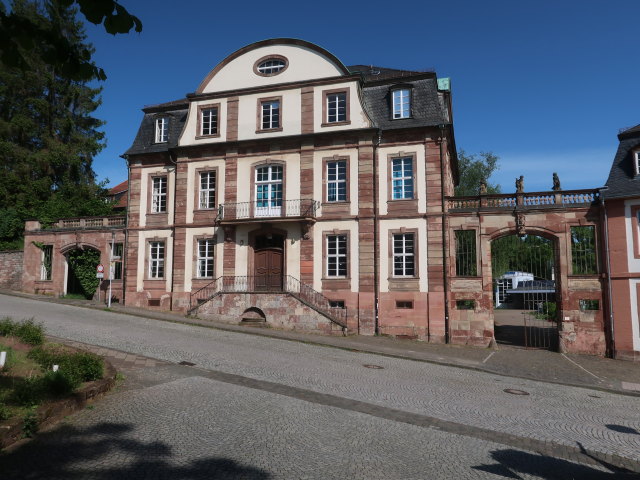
(303, 207)
(269, 284)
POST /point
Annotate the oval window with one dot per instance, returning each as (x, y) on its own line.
(272, 65)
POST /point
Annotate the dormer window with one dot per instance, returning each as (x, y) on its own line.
(636, 158)
(162, 129)
(271, 65)
(401, 103)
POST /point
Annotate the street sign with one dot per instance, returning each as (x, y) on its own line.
(100, 275)
(100, 269)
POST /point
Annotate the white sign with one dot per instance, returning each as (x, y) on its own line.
(100, 268)
(100, 275)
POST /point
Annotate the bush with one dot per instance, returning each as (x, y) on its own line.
(83, 365)
(62, 382)
(7, 326)
(28, 391)
(90, 366)
(30, 332)
(4, 412)
(30, 423)
(10, 360)
(48, 355)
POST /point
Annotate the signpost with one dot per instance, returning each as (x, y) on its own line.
(100, 275)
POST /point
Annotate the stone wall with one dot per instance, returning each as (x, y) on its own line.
(281, 311)
(11, 269)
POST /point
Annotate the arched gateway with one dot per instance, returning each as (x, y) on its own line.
(525, 270)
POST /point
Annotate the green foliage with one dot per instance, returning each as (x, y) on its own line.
(30, 332)
(60, 383)
(474, 169)
(7, 326)
(89, 366)
(48, 136)
(30, 423)
(548, 311)
(28, 391)
(83, 366)
(583, 250)
(82, 265)
(5, 413)
(20, 34)
(532, 254)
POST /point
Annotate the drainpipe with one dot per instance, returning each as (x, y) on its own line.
(612, 341)
(173, 228)
(125, 250)
(376, 246)
(445, 265)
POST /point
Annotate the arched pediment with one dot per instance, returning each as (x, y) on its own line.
(300, 61)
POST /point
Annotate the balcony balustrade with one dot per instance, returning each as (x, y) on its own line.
(304, 209)
(530, 200)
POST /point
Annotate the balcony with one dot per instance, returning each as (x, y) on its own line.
(246, 212)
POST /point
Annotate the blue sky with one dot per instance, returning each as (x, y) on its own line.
(545, 85)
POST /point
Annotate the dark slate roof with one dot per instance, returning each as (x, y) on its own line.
(373, 73)
(622, 181)
(425, 109)
(144, 141)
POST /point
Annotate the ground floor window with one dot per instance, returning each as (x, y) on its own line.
(46, 262)
(118, 251)
(205, 258)
(404, 255)
(156, 259)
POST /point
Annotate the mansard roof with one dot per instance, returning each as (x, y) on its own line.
(622, 181)
(144, 142)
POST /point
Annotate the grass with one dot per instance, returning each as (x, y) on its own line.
(20, 368)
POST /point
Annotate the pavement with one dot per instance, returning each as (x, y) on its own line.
(593, 372)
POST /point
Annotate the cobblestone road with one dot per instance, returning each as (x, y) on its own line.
(256, 407)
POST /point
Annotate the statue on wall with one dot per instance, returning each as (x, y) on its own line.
(520, 225)
(556, 182)
(520, 184)
(483, 187)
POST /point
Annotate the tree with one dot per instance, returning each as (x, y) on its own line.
(474, 169)
(48, 137)
(20, 34)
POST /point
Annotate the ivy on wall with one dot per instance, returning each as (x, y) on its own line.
(82, 264)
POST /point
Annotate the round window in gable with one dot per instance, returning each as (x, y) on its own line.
(270, 65)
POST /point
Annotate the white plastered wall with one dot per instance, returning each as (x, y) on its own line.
(319, 229)
(385, 261)
(189, 265)
(193, 182)
(190, 131)
(357, 116)
(635, 315)
(420, 174)
(634, 266)
(170, 172)
(290, 114)
(303, 64)
(143, 251)
(318, 193)
(291, 180)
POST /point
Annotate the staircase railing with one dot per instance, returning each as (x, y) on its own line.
(269, 284)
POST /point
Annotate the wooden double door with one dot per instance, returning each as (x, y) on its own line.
(269, 262)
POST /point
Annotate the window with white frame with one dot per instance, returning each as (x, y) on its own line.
(117, 261)
(402, 178)
(162, 129)
(208, 189)
(403, 255)
(205, 258)
(337, 181)
(209, 121)
(337, 107)
(271, 66)
(268, 189)
(401, 103)
(270, 114)
(46, 262)
(156, 259)
(336, 255)
(159, 195)
(637, 162)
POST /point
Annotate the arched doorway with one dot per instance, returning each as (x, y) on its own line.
(525, 286)
(268, 261)
(81, 272)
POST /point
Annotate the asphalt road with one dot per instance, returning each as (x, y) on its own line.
(257, 407)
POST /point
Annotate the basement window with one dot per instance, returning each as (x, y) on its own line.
(336, 303)
(404, 304)
(586, 305)
(465, 304)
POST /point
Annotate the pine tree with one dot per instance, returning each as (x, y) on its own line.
(48, 136)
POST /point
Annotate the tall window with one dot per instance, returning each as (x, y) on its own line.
(401, 103)
(162, 129)
(402, 178)
(337, 181)
(583, 250)
(46, 262)
(336, 255)
(209, 121)
(637, 162)
(156, 259)
(403, 255)
(208, 189)
(205, 258)
(270, 114)
(117, 261)
(268, 190)
(159, 195)
(466, 264)
(337, 107)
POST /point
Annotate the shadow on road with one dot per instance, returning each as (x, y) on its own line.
(103, 452)
(510, 463)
